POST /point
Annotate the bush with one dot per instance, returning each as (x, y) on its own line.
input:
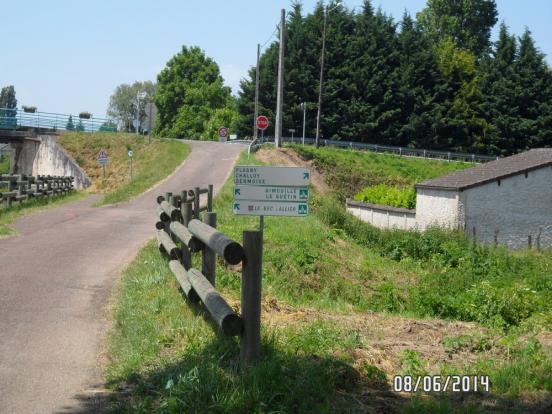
(459, 280)
(389, 196)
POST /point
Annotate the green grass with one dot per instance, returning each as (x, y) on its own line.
(454, 279)
(174, 361)
(348, 172)
(9, 215)
(4, 164)
(168, 357)
(388, 195)
(151, 161)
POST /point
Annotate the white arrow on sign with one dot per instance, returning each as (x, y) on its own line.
(275, 176)
(271, 193)
(268, 208)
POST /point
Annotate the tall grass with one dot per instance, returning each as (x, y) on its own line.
(151, 162)
(348, 172)
(457, 279)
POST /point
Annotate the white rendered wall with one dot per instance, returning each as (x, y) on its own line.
(437, 208)
(383, 217)
(516, 208)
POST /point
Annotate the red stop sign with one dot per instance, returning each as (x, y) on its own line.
(262, 122)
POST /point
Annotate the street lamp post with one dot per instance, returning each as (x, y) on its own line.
(326, 11)
(304, 106)
(139, 96)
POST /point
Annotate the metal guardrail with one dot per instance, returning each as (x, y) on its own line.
(182, 232)
(401, 151)
(22, 187)
(18, 118)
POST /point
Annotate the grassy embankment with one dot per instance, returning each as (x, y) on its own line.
(340, 302)
(151, 161)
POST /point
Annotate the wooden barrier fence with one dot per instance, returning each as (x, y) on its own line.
(24, 187)
(182, 231)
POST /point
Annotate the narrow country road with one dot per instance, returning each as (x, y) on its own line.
(56, 277)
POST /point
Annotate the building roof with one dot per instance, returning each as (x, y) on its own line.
(492, 171)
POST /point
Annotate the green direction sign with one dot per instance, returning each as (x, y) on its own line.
(271, 176)
(266, 208)
(271, 193)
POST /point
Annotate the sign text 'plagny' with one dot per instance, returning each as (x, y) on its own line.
(271, 191)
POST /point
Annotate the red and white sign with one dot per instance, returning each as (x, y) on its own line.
(262, 122)
(223, 132)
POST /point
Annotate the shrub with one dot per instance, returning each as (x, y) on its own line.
(388, 195)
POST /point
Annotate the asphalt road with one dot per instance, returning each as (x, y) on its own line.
(56, 279)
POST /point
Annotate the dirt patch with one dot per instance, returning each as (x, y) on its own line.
(386, 337)
(288, 157)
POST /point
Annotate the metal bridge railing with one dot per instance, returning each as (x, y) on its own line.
(17, 119)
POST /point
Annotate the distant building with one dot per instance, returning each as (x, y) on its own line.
(507, 201)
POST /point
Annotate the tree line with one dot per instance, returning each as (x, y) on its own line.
(432, 81)
(435, 81)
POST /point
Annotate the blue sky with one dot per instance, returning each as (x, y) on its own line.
(66, 56)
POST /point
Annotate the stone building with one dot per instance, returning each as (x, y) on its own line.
(507, 201)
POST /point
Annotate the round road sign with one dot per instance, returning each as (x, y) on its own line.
(223, 132)
(130, 153)
(262, 122)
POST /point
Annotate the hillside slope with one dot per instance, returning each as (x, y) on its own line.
(151, 161)
(346, 308)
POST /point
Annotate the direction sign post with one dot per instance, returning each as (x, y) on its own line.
(130, 155)
(102, 160)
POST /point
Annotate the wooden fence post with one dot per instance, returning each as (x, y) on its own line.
(186, 253)
(529, 241)
(496, 237)
(196, 203)
(209, 257)
(250, 343)
(539, 238)
(210, 198)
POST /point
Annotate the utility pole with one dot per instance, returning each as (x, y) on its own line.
(317, 140)
(255, 129)
(280, 95)
(304, 105)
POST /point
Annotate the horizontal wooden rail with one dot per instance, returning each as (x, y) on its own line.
(224, 246)
(21, 187)
(180, 233)
(181, 275)
(166, 245)
(225, 317)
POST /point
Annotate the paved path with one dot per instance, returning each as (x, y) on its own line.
(56, 277)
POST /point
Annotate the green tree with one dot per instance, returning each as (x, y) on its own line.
(467, 22)
(80, 126)
(70, 126)
(222, 117)
(8, 107)
(190, 89)
(123, 105)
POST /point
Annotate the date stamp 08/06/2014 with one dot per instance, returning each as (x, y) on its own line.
(439, 383)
